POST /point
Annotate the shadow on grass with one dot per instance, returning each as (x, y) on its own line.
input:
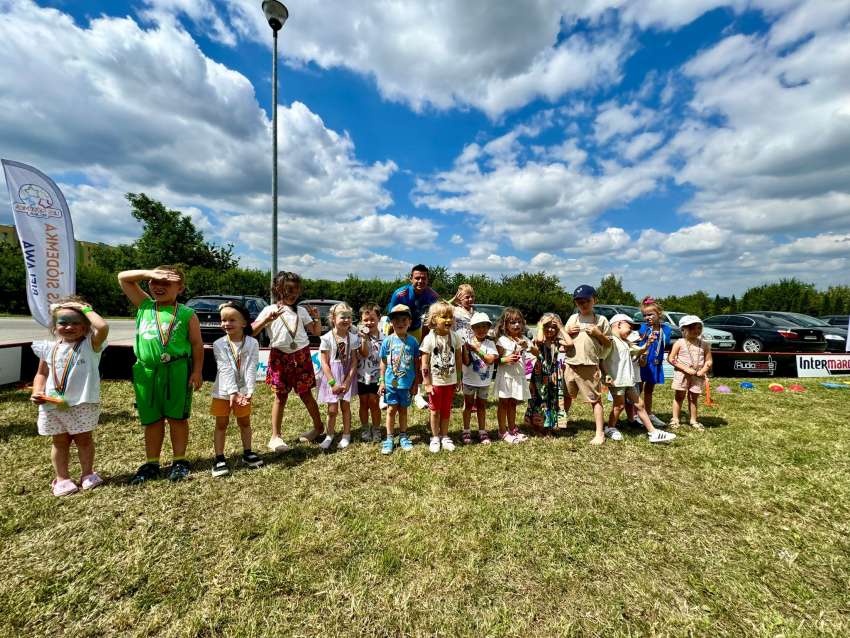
(26, 428)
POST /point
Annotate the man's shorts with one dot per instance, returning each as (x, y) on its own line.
(222, 407)
(440, 400)
(584, 380)
(478, 392)
(162, 392)
(367, 388)
(397, 396)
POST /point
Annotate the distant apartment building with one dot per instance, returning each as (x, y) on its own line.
(84, 248)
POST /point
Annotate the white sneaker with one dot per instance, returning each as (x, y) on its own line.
(434, 445)
(656, 421)
(377, 435)
(447, 444)
(326, 443)
(660, 436)
(613, 434)
(309, 436)
(366, 434)
(344, 442)
(277, 444)
(507, 437)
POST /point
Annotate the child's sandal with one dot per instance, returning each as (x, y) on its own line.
(483, 437)
(466, 437)
(674, 425)
(696, 425)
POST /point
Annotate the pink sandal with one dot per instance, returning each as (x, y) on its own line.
(63, 487)
(91, 481)
(483, 437)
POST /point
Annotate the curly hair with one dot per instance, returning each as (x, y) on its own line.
(281, 279)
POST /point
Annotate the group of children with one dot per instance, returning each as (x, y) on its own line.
(459, 352)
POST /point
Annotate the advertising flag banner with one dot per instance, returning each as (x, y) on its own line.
(44, 227)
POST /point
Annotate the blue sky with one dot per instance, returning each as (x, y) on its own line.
(677, 144)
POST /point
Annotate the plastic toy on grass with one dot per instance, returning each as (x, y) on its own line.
(776, 387)
(747, 385)
(835, 386)
(724, 389)
(796, 388)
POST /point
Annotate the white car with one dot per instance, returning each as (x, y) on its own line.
(717, 339)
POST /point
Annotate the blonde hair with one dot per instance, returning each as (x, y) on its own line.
(439, 309)
(507, 315)
(177, 270)
(461, 290)
(61, 304)
(337, 309)
(547, 318)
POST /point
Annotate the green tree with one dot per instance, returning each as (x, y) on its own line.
(170, 237)
(13, 279)
(610, 291)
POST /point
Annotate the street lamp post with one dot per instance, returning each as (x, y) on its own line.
(276, 14)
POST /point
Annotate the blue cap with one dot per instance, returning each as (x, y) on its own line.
(584, 292)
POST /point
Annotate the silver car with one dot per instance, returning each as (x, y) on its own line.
(717, 339)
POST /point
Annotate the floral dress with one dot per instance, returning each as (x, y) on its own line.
(547, 387)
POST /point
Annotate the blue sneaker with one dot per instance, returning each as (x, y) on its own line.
(387, 446)
(405, 443)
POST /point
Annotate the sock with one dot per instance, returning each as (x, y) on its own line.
(153, 460)
(466, 429)
(435, 438)
(219, 458)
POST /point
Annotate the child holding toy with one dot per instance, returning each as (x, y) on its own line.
(511, 383)
(369, 371)
(66, 389)
(547, 377)
(652, 371)
(621, 375)
(169, 360)
(236, 355)
(398, 382)
(479, 355)
(691, 357)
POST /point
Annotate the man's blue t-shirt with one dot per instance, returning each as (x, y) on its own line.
(401, 361)
(417, 305)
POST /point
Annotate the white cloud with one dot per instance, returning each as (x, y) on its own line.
(160, 117)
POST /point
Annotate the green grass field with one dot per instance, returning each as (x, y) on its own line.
(740, 531)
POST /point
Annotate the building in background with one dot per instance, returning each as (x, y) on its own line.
(84, 248)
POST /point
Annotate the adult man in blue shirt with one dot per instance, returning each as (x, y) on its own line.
(417, 296)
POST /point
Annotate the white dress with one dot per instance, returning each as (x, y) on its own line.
(510, 377)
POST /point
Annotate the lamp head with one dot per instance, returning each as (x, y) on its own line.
(276, 14)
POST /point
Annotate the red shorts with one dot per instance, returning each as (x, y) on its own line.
(290, 371)
(440, 400)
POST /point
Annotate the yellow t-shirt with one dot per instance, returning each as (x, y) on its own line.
(587, 351)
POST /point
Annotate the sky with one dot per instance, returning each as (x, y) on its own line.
(678, 144)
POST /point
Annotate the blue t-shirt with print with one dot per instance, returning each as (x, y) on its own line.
(401, 357)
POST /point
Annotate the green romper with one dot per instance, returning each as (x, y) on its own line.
(161, 375)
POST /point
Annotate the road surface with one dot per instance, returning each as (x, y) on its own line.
(17, 329)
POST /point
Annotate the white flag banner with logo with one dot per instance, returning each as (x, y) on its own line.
(46, 233)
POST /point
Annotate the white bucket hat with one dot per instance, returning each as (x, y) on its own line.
(478, 318)
(689, 320)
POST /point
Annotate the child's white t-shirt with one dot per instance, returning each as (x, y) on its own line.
(442, 349)
(329, 343)
(478, 373)
(620, 363)
(295, 321)
(83, 383)
(230, 380)
(369, 367)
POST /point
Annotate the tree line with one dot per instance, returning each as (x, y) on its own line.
(170, 237)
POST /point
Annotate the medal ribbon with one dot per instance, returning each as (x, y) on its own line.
(236, 354)
(164, 339)
(292, 331)
(59, 383)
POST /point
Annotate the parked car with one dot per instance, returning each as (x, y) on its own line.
(324, 307)
(609, 310)
(836, 320)
(206, 308)
(836, 337)
(757, 333)
(717, 339)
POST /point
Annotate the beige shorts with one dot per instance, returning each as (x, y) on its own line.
(479, 392)
(687, 383)
(584, 380)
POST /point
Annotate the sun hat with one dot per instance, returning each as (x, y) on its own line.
(622, 317)
(584, 292)
(479, 318)
(689, 320)
(400, 309)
